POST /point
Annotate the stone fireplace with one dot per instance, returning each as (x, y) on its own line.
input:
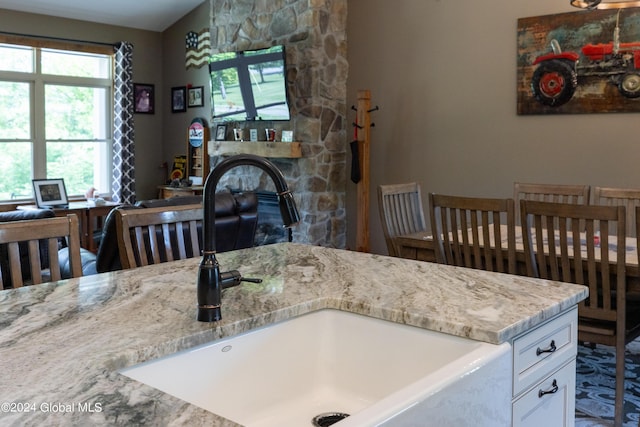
(314, 35)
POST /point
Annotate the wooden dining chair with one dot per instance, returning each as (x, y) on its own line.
(627, 197)
(474, 232)
(558, 248)
(401, 212)
(156, 235)
(26, 243)
(557, 193)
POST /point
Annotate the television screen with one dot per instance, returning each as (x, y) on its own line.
(249, 85)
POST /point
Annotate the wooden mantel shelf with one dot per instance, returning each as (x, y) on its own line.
(279, 150)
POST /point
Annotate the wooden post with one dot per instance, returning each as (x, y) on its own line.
(364, 141)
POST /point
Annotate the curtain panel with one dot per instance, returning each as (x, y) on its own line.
(123, 187)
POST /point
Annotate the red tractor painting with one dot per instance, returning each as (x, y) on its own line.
(556, 78)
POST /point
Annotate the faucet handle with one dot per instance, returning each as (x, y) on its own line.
(229, 279)
(232, 278)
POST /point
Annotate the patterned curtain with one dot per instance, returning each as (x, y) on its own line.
(123, 189)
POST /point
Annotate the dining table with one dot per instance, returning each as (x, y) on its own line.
(421, 246)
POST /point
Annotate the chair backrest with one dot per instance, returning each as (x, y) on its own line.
(627, 197)
(578, 255)
(559, 193)
(401, 212)
(156, 235)
(471, 232)
(35, 233)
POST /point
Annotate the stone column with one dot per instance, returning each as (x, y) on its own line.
(314, 35)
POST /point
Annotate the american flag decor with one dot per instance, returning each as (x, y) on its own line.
(198, 48)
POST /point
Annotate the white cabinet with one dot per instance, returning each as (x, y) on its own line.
(537, 407)
(544, 373)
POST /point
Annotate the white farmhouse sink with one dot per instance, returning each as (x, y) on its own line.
(326, 361)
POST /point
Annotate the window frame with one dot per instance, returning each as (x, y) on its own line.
(38, 83)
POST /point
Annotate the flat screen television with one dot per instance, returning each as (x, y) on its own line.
(249, 85)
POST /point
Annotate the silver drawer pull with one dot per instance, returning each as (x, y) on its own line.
(551, 349)
(554, 388)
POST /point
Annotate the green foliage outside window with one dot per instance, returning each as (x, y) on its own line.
(63, 134)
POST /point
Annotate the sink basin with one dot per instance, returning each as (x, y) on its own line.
(322, 362)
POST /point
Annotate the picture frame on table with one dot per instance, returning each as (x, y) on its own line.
(179, 99)
(144, 98)
(50, 193)
(221, 132)
(196, 97)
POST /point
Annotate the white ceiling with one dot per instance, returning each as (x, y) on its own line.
(153, 15)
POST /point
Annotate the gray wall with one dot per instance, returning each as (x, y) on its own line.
(174, 125)
(147, 55)
(444, 76)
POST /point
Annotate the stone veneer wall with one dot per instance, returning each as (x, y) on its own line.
(314, 35)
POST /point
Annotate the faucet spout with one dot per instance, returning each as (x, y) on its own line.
(209, 284)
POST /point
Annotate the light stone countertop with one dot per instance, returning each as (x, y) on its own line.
(62, 344)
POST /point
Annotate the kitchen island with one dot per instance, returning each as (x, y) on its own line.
(62, 344)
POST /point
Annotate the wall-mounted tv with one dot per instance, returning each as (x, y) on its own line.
(249, 85)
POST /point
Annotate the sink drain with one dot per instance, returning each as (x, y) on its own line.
(328, 419)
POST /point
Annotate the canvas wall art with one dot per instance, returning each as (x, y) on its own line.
(579, 62)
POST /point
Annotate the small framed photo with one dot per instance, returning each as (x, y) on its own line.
(144, 98)
(221, 132)
(287, 136)
(50, 193)
(253, 134)
(196, 96)
(178, 99)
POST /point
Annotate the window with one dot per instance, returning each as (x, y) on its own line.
(55, 118)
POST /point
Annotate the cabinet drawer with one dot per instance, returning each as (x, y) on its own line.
(542, 406)
(544, 350)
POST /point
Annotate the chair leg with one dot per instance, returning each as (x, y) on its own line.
(620, 373)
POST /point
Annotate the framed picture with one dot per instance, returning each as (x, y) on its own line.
(196, 96)
(221, 132)
(50, 193)
(178, 99)
(144, 98)
(287, 136)
(568, 64)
